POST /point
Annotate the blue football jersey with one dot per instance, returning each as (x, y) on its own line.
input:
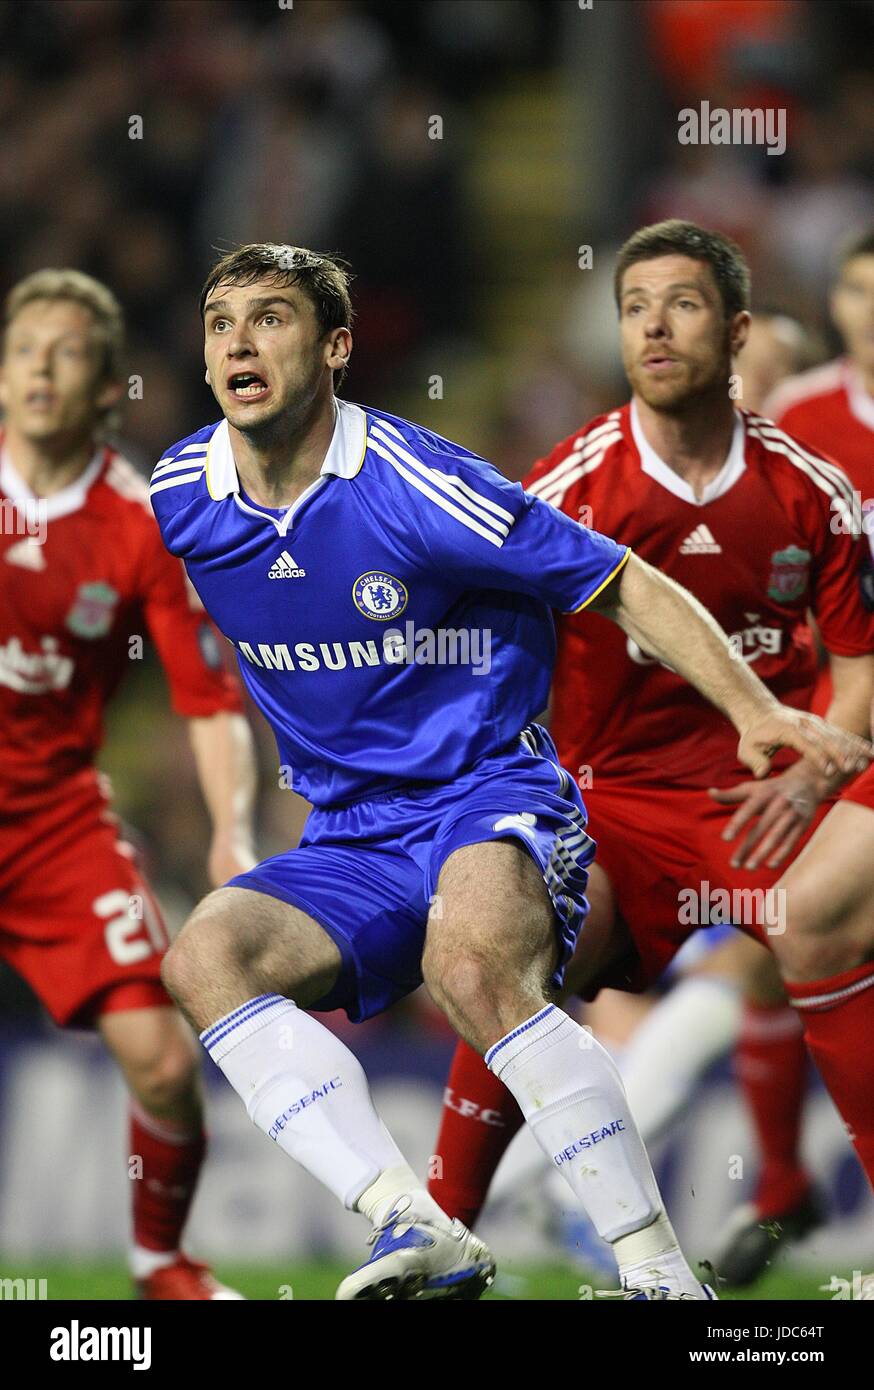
(394, 624)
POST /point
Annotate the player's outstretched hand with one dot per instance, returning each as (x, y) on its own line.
(774, 813)
(831, 750)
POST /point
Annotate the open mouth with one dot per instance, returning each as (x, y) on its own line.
(659, 366)
(247, 386)
(41, 399)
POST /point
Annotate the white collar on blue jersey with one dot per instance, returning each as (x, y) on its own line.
(344, 457)
(655, 467)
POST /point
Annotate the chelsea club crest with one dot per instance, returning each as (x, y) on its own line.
(379, 596)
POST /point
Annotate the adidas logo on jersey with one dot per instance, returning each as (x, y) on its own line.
(28, 554)
(285, 568)
(700, 542)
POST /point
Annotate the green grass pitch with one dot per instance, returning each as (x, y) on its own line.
(319, 1280)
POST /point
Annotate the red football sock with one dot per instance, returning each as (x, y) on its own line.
(838, 1016)
(771, 1065)
(480, 1117)
(162, 1195)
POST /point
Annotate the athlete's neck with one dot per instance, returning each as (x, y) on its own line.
(695, 441)
(276, 466)
(866, 375)
(47, 466)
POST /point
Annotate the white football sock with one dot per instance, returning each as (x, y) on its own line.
(569, 1090)
(308, 1092)
(143, 1262)
(652, 1257)
(390, 1188)
(697, 1022)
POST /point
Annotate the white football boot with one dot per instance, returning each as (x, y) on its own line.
(415, 1257)
(657, 1293)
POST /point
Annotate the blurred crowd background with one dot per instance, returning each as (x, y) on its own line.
(459, 153)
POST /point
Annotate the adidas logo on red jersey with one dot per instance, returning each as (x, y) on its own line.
(700, 542)
(285, 568)
(28, 554)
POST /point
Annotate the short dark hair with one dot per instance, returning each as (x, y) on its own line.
(858, 246)
(324, 279)
(678, 238)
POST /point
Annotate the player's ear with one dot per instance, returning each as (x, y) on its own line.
(206, 377)
(739, 331)
(109, 395)
(339, 348)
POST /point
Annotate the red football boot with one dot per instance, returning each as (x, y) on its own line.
(184, 1279)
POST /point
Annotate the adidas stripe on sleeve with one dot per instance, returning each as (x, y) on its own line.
(176, 478)
(492, 533)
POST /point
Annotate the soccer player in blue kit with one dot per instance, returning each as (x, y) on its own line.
(388, 595)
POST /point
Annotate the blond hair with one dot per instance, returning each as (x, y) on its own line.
(81, 289)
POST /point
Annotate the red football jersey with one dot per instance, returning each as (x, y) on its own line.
(829, 408)
(758, 551)
(83, 574)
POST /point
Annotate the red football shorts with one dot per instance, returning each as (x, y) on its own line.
(77, 920)
(861, 790)
(671, 871)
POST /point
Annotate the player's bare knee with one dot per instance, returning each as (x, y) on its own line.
(179, 972)
(167, 1079)
(173, 973)
(460, 982)
(183, 968)
(483, 1001)
(814, 942)
(804, 956)
(205, 948)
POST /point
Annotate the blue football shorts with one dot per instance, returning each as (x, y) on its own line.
(367, 872)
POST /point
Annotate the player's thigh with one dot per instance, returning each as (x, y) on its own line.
(239, 942)
(83, 925)
(493, 918)
(826, 897)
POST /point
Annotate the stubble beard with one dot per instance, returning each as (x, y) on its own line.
(678, 399)
(287, 421)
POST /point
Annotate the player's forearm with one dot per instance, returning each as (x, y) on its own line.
(225, 757)
(668, 622)
(852, 692)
